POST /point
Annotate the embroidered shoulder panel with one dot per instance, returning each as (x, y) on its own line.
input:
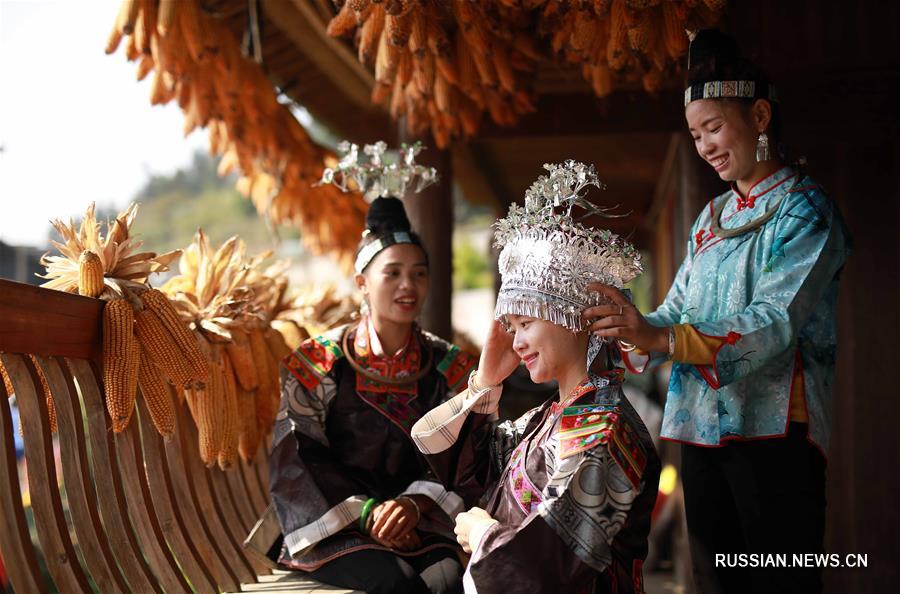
(627, 450)
(584, 427)
(315, 358)
(456, 366)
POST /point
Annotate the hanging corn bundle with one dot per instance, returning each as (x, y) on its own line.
(195, 60)
(229, 300)
(112, 268)
(441, 65)
(624, 42)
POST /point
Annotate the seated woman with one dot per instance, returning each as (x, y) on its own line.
(571, 483)
(356, 502)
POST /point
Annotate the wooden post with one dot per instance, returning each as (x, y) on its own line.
(431, 214)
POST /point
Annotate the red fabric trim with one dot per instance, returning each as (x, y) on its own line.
(709, 245)
(750, 190)
(637, 575)
(713, 379)
(723, 442)
(629, 366)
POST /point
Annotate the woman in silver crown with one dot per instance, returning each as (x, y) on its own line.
(571, 484)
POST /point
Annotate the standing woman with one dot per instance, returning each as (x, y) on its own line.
(750, 326)
(355, 500)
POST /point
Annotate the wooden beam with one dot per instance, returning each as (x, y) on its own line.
(431, 215)
(475, 185)
(49, 323)
(664, 182)
(579, 114)
(299, 21)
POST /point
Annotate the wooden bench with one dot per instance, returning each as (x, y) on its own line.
(130, 512)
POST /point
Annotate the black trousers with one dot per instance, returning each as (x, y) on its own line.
(748, 499)
(379, 572)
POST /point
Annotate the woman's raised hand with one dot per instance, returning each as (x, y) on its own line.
(622, 321)
(498, 359)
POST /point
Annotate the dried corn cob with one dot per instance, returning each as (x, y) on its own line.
(121, 358)
(616, 49)
(268, 389)
(90, 274)
(639, 36)
(242, 360)
(207, 410)
(7, 383)
(248, 430)
(674, 35)
(343, 23)
(277, 345)
(229, 451)
(399, 28)
(161, 347)
(370, 34)
(156, 395)
(157, 302)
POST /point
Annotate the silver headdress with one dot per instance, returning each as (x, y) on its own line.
(381, 181)
(374, 176)
(548, 258)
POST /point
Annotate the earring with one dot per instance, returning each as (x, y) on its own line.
(762, 148)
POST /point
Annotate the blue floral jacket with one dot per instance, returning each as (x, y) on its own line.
(771, 295)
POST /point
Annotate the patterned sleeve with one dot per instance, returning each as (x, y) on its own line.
(456, 438)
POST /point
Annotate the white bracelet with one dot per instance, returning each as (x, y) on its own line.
(474, 387)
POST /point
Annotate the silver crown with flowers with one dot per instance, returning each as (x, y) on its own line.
(376, 176)
(548, 258)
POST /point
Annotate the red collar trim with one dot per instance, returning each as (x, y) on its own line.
(768, 183)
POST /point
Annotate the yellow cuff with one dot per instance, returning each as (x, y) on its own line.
(694, 348)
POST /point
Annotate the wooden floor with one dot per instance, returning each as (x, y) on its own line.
(291, 582)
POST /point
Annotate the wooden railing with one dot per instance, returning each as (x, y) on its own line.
(131, 512)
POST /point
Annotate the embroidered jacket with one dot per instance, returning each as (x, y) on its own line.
(341, 437)
(572, 486)
(769, 296)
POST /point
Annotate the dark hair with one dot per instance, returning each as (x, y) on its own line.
(715, 56)
(385, 217)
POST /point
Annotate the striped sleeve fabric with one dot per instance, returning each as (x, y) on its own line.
(438, 430)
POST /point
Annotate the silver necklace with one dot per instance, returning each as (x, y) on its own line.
(719, 231)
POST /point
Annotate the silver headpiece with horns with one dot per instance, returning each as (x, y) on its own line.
(548, 258)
